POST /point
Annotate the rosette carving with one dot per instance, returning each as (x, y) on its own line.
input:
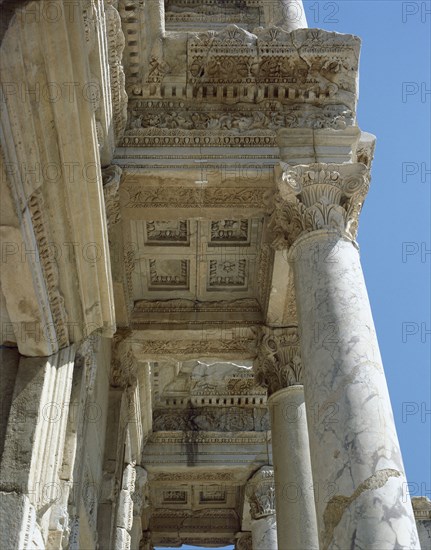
(278, 363)
(318, 196)
(260, 491)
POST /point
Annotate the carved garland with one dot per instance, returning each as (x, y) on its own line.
(111, 182)
(116, 43)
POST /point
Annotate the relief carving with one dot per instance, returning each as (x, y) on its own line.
(167, 232)
(278, 362)
(212, 348)
(244, 542)
(111, 182)
(229, 231)
(211, 419)
(183, 197)
(37, 209)
(227, 273)
(318, 196)
(260, 492)
(116, 43)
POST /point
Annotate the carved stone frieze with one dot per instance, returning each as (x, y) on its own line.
(49, 265)
(86, 356)
(422, 508)
(238, 385)
(318, 196)
(211, 419)
(308, 61)
(138, 196)
(199, 521)
(193, 12)
(260, 492)
(278, 362)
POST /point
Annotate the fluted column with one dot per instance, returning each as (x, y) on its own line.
(260, 492)
(278, 367)
(355, 454)
(288, 14)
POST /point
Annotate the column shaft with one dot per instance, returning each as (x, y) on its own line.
(361, 499)
(264, 533)
(294, 498)
(261, 495)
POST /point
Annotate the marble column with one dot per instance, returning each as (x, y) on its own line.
(359, 478)
(287, 14)
(260, 492)
(278, 367)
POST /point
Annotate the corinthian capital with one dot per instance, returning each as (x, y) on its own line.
(318, 196)
(260, 492)
(278, 362)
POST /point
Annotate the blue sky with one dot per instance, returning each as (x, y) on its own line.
(394, 230)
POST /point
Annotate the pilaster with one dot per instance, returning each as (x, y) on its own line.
(260, 492)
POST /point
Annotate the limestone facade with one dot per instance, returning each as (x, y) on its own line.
(181, 185)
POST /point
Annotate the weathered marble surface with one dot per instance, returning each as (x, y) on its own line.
(355, 454)
(294, 497)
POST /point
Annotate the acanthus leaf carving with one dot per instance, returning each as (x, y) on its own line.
(318, 196)
(260, 491)
(278, 362)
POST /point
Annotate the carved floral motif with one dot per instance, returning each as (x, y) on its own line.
(228, 231)
(278, 362)
(260, 492)
(318, 196)
(49, 265)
